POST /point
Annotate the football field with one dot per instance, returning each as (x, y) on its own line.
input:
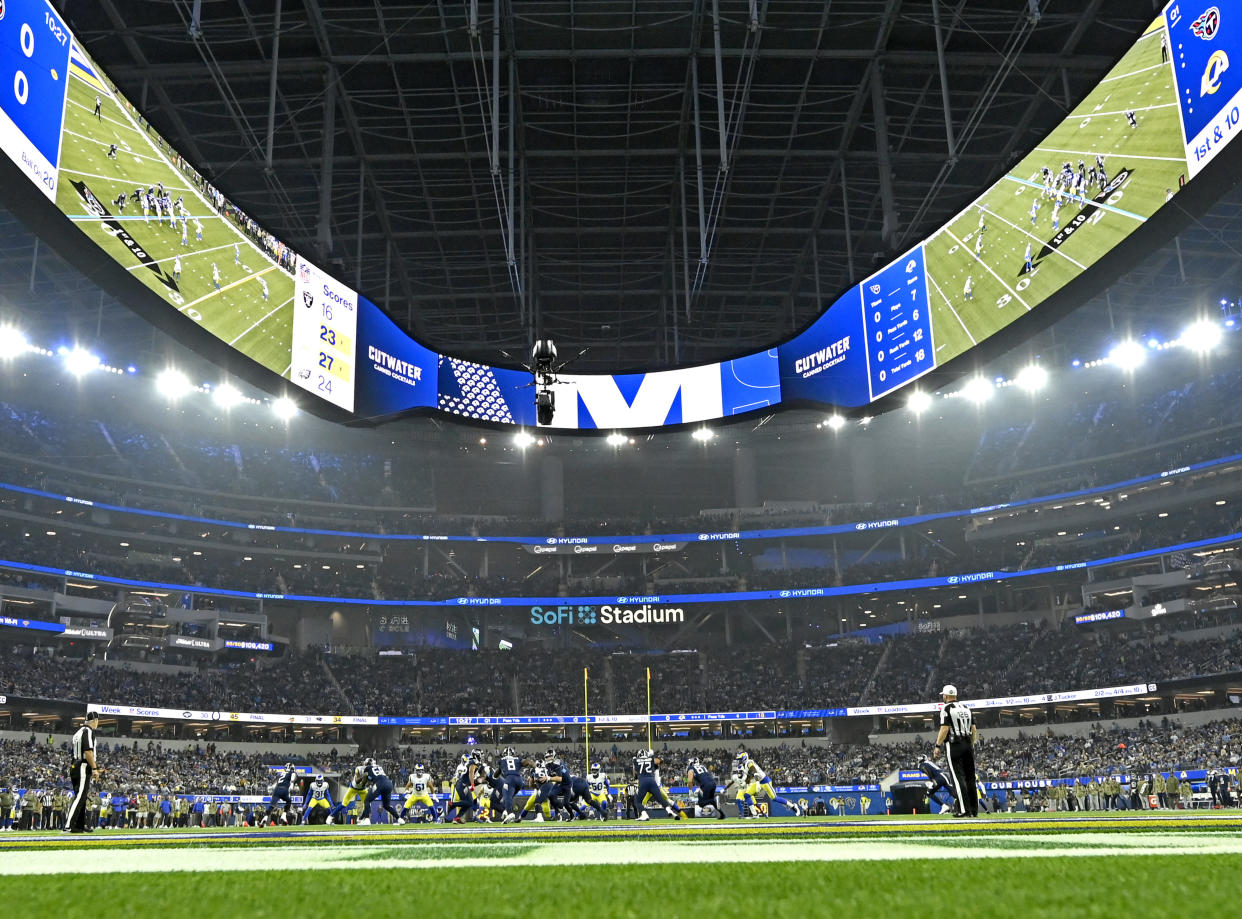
(234, 308)
(987, 242)
(1168, 864)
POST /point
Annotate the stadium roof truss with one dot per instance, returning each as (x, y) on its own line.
(661, 182)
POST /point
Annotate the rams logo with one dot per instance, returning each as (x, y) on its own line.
(1217, 64)
(1207, 24)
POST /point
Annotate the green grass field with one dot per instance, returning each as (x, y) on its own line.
(1160, 865)
(1002, 291)
(237, 313)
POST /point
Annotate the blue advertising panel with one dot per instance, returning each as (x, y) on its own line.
(897, 324)
(484, 393)
(397, 372)
(828, 361)
(1204, 43)
(34, 79)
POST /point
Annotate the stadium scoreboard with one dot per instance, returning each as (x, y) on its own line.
(34, 76)
(1162, 114)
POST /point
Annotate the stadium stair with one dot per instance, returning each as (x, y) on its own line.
(879, 667)
(323, 665)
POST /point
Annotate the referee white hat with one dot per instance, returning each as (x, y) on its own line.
(949, 690)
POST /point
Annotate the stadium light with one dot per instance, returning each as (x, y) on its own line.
(285, 408)
(1032, 378)
(703, 435)
(919, 402)
(80, 362)
(1127, 355)
(836, 422)
(226, 395)
(1202, 336)
(617, 439)
(12, 343)
(522, 439)
(173, 384)
(977, 389)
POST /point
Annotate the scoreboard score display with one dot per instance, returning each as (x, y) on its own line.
(1165, 111)
(34, 76)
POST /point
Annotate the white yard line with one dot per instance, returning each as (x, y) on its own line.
(1042, 242)
(254, 324)
(1124, 156)
(949, 304)
(1135, 73)
(1013, 293)
(1101, 205)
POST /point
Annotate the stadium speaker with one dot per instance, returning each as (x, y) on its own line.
(910, 798)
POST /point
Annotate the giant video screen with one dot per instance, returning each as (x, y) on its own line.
(1154, 122)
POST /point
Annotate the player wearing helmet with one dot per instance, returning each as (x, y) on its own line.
(357, 788)
(510, 769)
(280, 793)
(418, 790)
(646, 766)
(753, 773)
(318, 802)
(462, 800)
(698, 776)
(381, 790)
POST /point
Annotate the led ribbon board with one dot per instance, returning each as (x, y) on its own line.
(1168, 108)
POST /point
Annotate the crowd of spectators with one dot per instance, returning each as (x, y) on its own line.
(983, 663)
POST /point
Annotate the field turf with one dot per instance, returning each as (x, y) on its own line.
(1166, 865)
(237, 312)
(1152, 154)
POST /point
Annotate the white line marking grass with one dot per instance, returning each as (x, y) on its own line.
(334, 857)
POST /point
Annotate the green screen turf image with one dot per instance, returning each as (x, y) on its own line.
(196, 258)
(978, 278)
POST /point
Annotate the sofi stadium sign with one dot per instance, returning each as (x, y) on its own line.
(579, 614)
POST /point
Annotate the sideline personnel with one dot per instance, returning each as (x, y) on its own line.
(83, 767)
(957, 736)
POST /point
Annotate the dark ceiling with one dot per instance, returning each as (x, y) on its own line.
(660, 182)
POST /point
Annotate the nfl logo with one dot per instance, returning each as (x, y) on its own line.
(308, 298)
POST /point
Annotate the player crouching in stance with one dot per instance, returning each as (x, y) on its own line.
(280, 793)
(755, 780)
(700, 777)
(646, 764)
(318, 802)
(418, 790)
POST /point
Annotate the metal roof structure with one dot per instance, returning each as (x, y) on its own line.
(662, 182)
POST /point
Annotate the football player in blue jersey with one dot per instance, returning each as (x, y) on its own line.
(543, 800)
(280, 792)
(563, 799)
(381, 790)
(940, 792)
(510, 769)
(698, 776)
(646, 764)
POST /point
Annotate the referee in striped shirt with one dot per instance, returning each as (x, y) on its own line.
(957, 736)
(83, 767)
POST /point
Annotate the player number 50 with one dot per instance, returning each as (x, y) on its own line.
(21, 86)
